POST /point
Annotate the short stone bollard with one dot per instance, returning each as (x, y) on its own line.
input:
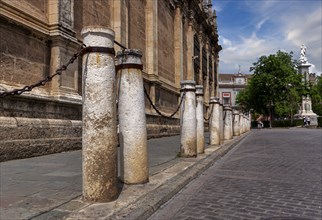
(214, 129)
(236, 123)
(228, 123)
(221, 122)
(200, 120)
(99, 117)
(132, 119)
(241, 123)
(188, 120)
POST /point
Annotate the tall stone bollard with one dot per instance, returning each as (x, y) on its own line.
(215, 122)
(99, 117)
(200, 120)
(236, 123)
(188, 120)
(221, 123)
(132, 121)
(228, 123)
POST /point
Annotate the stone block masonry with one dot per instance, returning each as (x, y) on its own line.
(29, 137)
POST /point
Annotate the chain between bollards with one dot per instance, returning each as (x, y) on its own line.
(160, 113)
(43, 82)
(207, 119)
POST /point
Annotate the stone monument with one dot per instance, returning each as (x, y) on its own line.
(306, 106)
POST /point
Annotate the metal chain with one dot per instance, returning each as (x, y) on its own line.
(47, 79)
(160, 113)
(212, 108)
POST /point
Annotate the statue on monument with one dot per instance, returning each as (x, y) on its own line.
(305, 109)
(303, 58)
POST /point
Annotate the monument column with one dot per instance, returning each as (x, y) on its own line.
(303, 69)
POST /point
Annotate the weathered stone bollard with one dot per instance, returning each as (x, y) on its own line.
(221, 123)
(214, 129)
(132, 121)
(241, 123)
(236, 123)
(200, 120)
(99, 117)
(228, 123)
(188, 120)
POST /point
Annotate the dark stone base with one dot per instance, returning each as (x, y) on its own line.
(161, 127)
(30, 137)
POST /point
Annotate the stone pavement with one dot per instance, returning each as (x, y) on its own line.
(272, 174)
(49, 187)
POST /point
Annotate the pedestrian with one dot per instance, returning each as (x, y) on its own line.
(304, 121)
(308, 121)
(259, 122)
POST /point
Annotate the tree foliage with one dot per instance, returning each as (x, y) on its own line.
(274, 86)
(316, 96)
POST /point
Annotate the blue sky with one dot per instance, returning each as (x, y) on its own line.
(249, 29)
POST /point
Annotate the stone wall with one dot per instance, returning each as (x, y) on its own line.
(95, 12)
(159, 126)
(39, 36)
(29, 137)
(24, 55)
(166, 40)
(137, 26)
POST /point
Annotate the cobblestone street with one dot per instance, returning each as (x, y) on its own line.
(272, 174)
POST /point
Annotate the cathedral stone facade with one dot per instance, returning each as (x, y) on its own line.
(178, 38)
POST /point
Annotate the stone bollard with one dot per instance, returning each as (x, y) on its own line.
(236, 123)
(244, 124)
(132, 121)
(99, 117)
(241, 123)
(228, 123)
(188, 120)
(200, 120)
(221, 123)
(214, 130)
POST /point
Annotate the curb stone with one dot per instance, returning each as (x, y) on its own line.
(143, 206)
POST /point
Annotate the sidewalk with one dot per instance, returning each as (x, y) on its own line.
(50, 187)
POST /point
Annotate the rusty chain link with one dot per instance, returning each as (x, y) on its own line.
(155, 108)
(47, 79)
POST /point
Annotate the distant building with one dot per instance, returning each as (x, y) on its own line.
(230, 85)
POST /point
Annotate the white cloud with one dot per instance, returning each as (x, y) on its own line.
(306, 29)
(291, 24)
(260, 24)
(244, 52)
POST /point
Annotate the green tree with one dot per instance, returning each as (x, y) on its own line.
(316, 96)
(274, 87)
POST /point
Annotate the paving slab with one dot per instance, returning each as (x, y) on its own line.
(50, 187)
(273, 174)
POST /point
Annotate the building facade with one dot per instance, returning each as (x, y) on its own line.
(230, 85)
(178, 38)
